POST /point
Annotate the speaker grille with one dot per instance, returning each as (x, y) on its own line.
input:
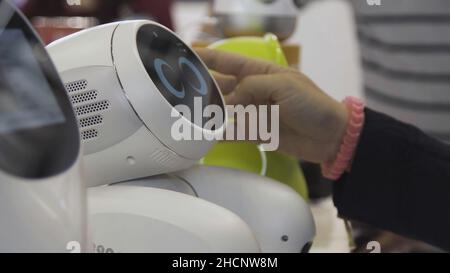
(76, 86)
(92, 108)
(89, 134)
(84, 97)
(91, 121)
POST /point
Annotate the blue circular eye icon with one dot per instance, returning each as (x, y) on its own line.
(203, 89)
(159, 64)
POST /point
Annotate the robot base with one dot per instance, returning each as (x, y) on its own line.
(163, 219)
(144, 219)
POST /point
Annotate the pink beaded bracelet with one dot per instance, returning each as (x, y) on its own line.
(334, 170)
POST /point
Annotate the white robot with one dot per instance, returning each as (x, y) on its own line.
(279, 219)
(42, 197)
(124, 80)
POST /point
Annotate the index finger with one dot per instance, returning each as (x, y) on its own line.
(237, 65)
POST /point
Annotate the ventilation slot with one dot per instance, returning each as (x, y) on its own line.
(89, 134)
(76, 86)
(92, 108)
(84, 97)
(162, 158)
(91, 121)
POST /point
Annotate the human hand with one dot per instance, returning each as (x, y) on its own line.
(312, 124)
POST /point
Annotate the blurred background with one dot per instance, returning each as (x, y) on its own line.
(319, 38)
(324, 29)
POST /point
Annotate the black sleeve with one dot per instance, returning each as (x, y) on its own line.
(399, 181)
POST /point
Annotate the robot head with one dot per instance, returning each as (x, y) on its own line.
(35, 115)
(41, 193)
(124, 80)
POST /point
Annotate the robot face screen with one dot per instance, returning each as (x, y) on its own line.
(26, 99)
(176, 71)
(38, 132)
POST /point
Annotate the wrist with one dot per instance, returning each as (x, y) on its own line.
(346, 139)
(342, 119)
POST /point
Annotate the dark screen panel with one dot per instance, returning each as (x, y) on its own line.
(38, 130)
(176, 71)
